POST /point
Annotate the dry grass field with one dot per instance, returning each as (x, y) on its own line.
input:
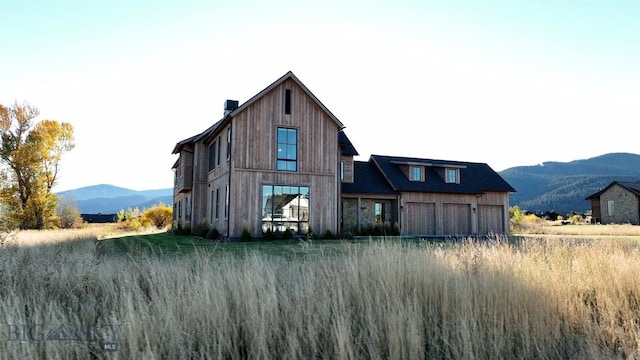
(536, 297)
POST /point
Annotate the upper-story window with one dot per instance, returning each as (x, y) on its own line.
(452, 176)
(341, 169)
(229, 143)
(287, 157)
(287, 102)
(212, 155)
(416, 173)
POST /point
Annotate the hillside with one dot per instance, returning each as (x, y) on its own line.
(563, 187)
(109, 199)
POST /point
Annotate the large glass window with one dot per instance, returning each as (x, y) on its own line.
(285, 207)
(287, 157)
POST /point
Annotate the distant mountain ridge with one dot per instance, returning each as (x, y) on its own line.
(550, 186)
(109, 199)
(563, 187)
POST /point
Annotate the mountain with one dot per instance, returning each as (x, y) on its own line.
(563, 187)
(109, 199)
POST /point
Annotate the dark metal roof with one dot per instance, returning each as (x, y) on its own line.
(345, 144)
(475, 178)
(367, 180)
(633, 187)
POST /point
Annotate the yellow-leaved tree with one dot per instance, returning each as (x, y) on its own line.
(29, 163)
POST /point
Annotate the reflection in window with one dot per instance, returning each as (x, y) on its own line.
(287, 158)
(378, 210)
(285, 207)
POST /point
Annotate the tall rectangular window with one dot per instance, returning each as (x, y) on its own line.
(287, 102)
(452, 176)
(287, 152)
(341, 169)
(212, 206)
(219, 141)
(226, 202)
(212, 156)
(187, 208)
(217, 203)
(229, 143)
(610, 209)
(378, 211)
(416, 173)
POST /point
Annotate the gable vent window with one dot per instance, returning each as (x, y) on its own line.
(287, 102)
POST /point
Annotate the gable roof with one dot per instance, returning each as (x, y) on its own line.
(227, 118)
(632, 187)
(367, 179)
(475, 178)
(345, 144)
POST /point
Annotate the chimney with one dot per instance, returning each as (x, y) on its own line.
(229, 106)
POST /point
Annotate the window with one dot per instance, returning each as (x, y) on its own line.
(180, 209)
(217, 202)
(416, 173)
(229, 143)
(212, 205)
(219, 141)
(226, 202)
(285, 207)
(212, 156)
(287, 157)
(187, 208)
(287, 102)
(452, 176)
(341, 169)
(610, 209)
(378, 211)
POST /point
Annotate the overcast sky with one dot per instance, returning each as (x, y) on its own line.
(507, 83)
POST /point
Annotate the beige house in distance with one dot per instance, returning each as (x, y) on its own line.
(282, 160)
(617, 203)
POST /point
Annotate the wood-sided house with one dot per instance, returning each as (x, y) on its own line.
(282, 160)
(617, 203)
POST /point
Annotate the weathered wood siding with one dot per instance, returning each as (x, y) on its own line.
(348, 168)
(253, 164)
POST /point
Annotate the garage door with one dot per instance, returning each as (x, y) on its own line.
(457, 219)
(421, 219)
(490, 219)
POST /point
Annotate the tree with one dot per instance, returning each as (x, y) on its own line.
(159, 216)
(67, 212)
(29, 163)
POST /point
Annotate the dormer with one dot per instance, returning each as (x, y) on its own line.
(414, 171)
(347, 152)
(449, 173)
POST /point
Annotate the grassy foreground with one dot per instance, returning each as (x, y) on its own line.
(73, 298)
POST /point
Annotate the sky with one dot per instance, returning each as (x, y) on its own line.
(508, 83)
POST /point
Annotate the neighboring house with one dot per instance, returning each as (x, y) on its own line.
(282, 160)
(618, 203)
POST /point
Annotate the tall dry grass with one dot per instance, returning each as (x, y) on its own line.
(539, 299)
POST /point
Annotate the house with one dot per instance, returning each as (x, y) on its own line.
(282, 160)
(617, 203)
(426, 197)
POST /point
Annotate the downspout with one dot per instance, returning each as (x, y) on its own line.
(230, 132)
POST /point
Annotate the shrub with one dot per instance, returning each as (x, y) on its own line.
(268, 234)
(328, 234)
(213, 234)
(246, 235)
(201, 229)
(159, 216)
(287, 234)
